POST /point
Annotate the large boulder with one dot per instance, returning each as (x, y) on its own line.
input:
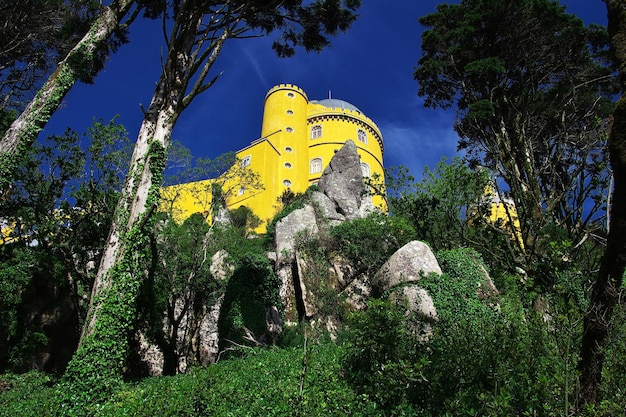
(297, 222)
(407, 264)
(342, 181)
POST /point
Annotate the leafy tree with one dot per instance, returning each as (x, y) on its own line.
(449, 208)
(55, 220)
(609, 281)
(83, 61)
(532, 93)
(179, 286)
(35, 34)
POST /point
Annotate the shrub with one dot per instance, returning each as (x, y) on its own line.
(367, 243)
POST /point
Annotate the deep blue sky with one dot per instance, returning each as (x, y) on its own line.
(370, 66)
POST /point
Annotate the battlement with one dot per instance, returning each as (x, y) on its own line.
(291, 87)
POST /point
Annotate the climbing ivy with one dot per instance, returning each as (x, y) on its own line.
(97, 366)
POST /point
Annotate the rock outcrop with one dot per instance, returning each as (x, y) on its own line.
(342, 196)
(407, 264)
(342, 181)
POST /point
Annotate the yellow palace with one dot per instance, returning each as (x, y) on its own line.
(298, 139)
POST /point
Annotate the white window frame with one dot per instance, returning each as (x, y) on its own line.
(316, 166)
(361, 135)
(245, 161)
(316, 131)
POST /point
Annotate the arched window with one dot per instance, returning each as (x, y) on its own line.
(316, 165)
(365, 169)
(316, 132)
(361, 135)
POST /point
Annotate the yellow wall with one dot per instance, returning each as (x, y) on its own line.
(282, 156)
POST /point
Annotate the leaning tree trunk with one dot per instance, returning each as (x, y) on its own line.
(606, 288)
(98, 364)
(79, 63)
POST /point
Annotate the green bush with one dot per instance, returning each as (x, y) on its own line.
(383, 360)
(367, 243)
(484, 356)
(27, 395)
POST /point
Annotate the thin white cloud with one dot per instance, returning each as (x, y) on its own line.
(417, 147)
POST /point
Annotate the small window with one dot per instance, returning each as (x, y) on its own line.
(289, 129)
(316, 166)
(365, 169)
(245, 161)
(287, 183)
(316, 132)
(287, 164)
(361, 135)
(290, 94)
(290, 112)
(242, 191)
(288, 149)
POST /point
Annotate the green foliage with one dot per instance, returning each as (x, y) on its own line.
(484, 356)
(57, 215)
(383, 360)
(321, 285)
(244, 219)
(29, 395)
(448, 209)
(367, 243)
(265, 382)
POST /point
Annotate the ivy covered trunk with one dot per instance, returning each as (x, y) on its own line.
(98, 363)
(608, 284)
(81, 63)
(97, 366)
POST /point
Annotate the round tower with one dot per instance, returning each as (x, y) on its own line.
(285, 127)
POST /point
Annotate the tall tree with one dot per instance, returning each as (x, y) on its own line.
(35, 33)
(198, 32)
(609, 281)
(528, 108)
(81, 63)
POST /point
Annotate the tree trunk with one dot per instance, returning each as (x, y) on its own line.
(78, 62)
(98, 364)
(605, 290)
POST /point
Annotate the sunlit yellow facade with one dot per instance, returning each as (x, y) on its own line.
(298, 139)
(502, 213)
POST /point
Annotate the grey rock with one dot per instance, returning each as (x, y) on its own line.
(416, 300)
(358, 292)
(327, 208)
(299, 221)
(342, 181)
(407, 264)
(220, 268)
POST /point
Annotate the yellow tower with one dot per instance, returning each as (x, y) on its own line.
(298, 139)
